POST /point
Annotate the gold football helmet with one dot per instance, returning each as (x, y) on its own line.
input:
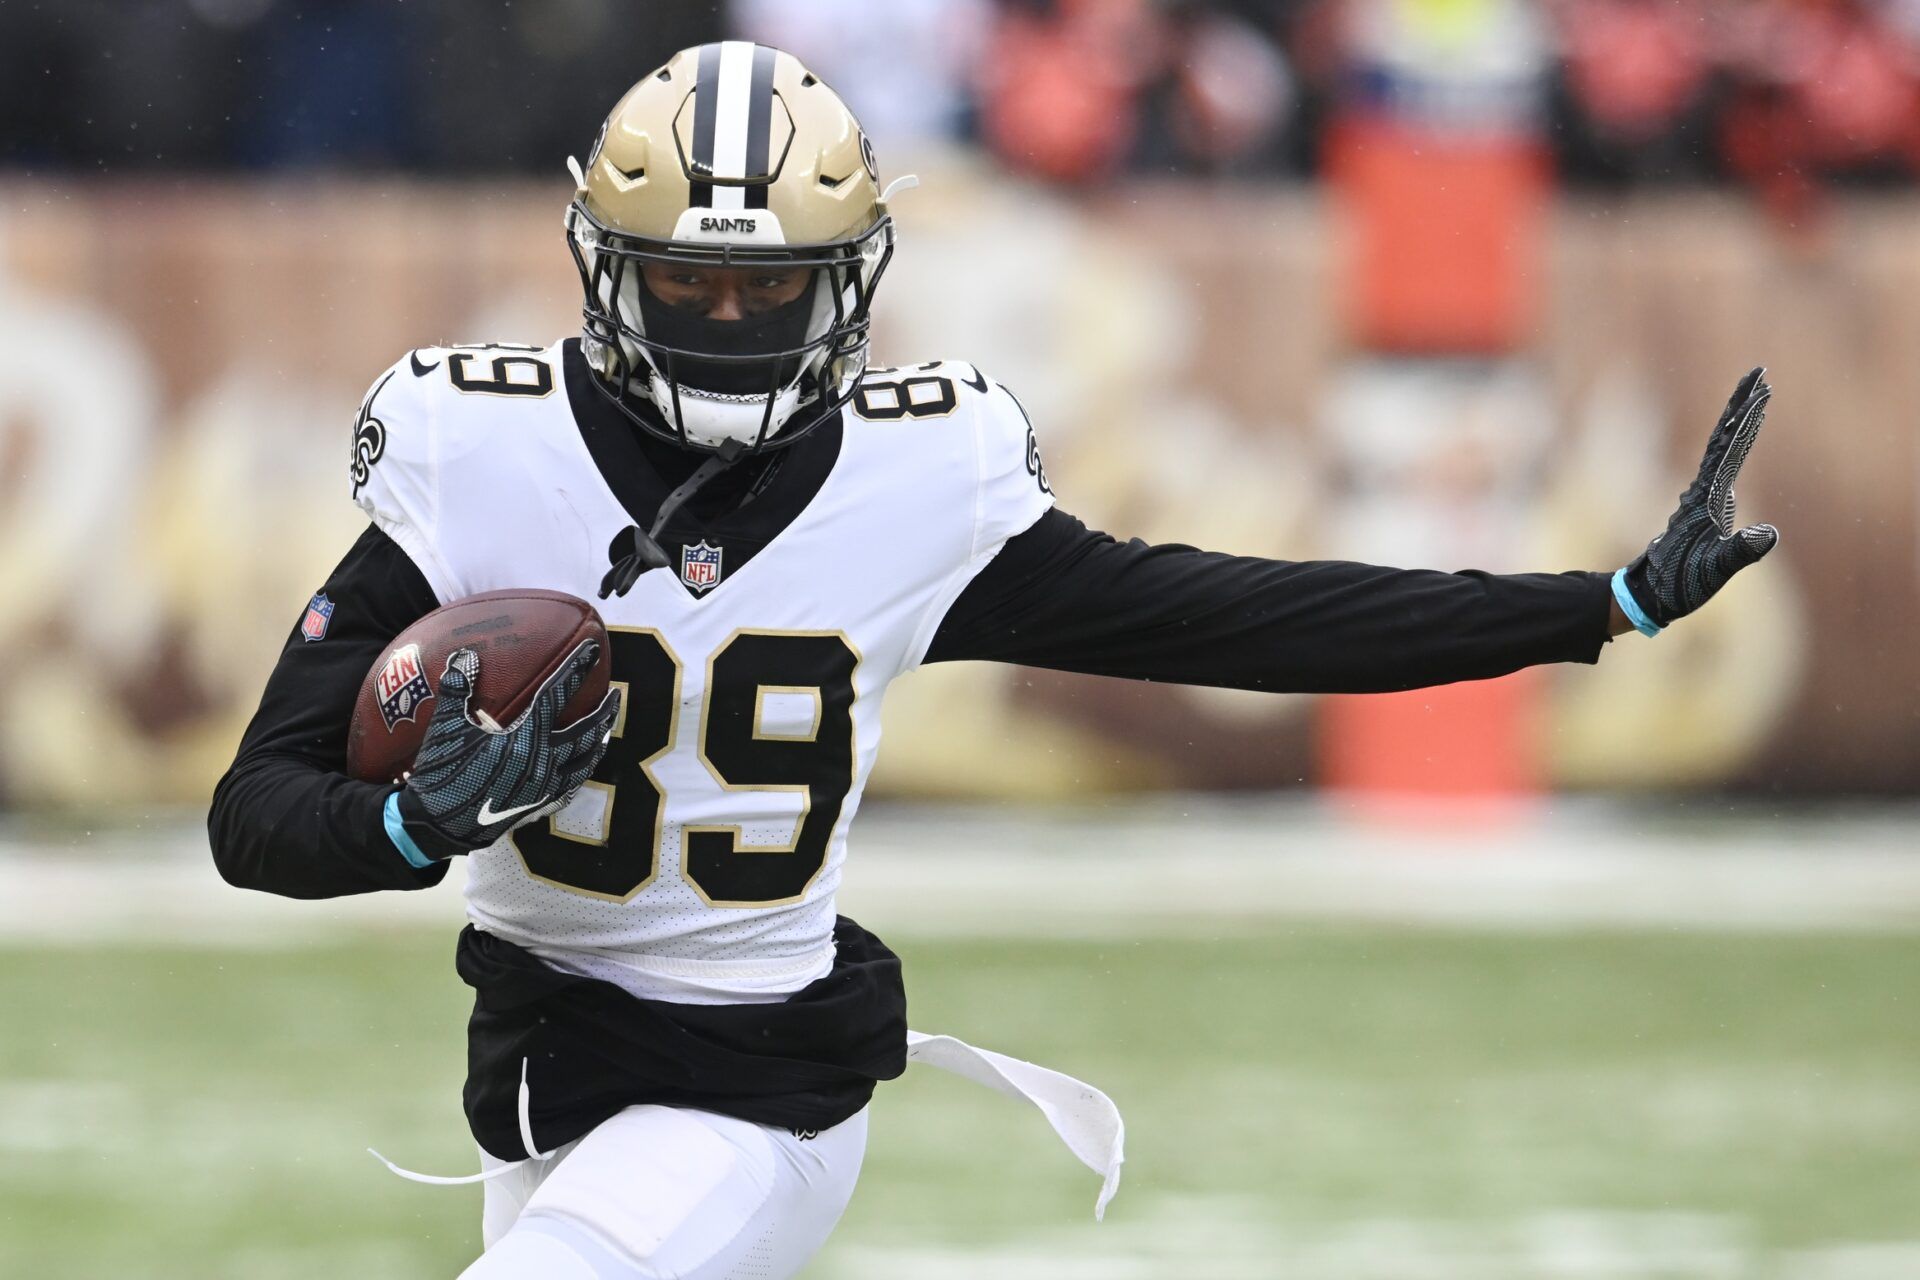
(732, 156)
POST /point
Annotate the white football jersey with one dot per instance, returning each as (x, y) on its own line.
(701, 863)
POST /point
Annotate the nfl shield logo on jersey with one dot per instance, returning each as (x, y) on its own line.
(700, 566)
(401, 685)
(319, 612)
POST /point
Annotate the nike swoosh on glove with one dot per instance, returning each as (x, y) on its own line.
(472, 784)
(1682, 568)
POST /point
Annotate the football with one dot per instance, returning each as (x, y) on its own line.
(522, 636)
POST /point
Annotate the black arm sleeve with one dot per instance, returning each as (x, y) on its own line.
(286, 819)
(1063, 596)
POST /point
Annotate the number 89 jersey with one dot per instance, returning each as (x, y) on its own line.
(700, 863)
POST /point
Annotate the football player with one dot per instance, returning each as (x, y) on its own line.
(674, 1037)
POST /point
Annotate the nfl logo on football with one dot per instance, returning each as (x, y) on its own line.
(401, 686)
(700, 566)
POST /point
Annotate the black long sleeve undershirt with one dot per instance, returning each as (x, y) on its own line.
(1068, 598)
(286, 819)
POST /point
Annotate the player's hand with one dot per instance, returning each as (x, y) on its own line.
(1682, 568)
(472, 781)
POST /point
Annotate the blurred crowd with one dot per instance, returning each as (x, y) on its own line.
(1782, 94)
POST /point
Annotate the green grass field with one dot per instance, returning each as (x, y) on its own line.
(1343, 1103)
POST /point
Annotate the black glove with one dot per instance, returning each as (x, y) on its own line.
(1682, 568)
(470, 784)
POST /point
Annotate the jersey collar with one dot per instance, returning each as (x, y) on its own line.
(741, 530)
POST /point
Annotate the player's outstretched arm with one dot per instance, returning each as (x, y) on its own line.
(1700, 550)
(286, 819)
(1062, 596)
(1070, 598)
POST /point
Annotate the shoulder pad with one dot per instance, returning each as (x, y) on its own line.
(428, 424)
(391, 404)
(1011, 489)
(392, 469)
(467, 391)
(1014, 491)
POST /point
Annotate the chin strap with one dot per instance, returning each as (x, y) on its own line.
(634, 551)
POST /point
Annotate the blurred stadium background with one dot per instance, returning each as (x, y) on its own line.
(1585, 974)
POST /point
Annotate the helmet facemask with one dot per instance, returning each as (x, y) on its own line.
(763, 381)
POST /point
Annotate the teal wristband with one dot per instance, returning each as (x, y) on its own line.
(398, 834)
(1628, 605)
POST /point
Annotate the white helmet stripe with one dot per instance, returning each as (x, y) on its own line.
(732, 105)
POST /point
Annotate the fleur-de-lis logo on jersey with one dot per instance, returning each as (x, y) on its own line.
(369, 443)
(1036, 468)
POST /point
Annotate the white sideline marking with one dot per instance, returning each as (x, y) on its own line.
(1111, 871)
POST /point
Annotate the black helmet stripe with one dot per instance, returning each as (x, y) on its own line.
(760, 125)
(706, 92)
(732, 125)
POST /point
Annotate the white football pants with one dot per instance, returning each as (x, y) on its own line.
(664, 1193)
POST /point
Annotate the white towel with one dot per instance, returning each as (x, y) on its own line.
(1085, 1118)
